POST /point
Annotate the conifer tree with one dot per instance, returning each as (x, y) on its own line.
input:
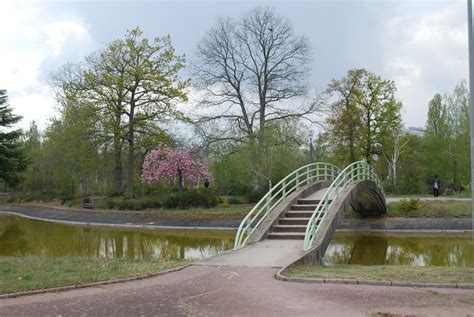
(12, 156)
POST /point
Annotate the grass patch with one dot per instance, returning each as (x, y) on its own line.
(433, 209)
(394, 273)
(36, 272)
(428, 209)
(232, 212)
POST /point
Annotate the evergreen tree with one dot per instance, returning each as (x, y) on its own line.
(12, 156)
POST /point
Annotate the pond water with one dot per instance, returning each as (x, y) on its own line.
(440, 249)
(20, 236)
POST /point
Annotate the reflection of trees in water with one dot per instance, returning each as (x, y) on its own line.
(400, 250)
(12, 241)
(60, 240)
(361, 249)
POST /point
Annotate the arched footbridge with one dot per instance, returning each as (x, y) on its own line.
(296, 218)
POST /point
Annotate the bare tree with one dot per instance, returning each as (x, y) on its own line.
(253, 73)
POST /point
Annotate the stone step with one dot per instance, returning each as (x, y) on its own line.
(304, 201)
(298, 214)
(286, 235)
(304, 207)
(308, 201)
(289, 228)
(293, 221)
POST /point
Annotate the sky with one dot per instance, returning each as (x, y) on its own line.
(421, 45)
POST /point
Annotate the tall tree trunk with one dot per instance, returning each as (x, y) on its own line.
(117, 169)
(368, 146)
(180, 181)
(351, 133)
(117, 156)
(131, 148)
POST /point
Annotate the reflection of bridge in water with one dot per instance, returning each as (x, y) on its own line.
(296, 219)
(369, 250)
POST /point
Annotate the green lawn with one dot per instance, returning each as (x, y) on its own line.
(36, 272)
(394, 273)
(428, 209)
(232, 212)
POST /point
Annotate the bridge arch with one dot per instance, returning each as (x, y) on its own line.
(308, 203)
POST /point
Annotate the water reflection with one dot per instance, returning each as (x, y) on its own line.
(19, 237)
(396, 249)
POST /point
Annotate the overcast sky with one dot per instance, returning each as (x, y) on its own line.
(421, 45)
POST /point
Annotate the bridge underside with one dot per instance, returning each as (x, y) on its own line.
(364, 197)
(369, 201)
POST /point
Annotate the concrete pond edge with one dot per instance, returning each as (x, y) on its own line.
(91, 284)
(279, 276)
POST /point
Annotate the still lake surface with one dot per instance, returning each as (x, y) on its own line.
(22, 237)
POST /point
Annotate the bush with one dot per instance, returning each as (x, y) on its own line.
(132, 204)
(254, 197)
(191, 199)
(407, 205)
(241, 189)
(233, 200)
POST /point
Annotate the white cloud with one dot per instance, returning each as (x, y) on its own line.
(406, 71)
(31, 39)
(34, 106)
(60, 32)
(426, 53)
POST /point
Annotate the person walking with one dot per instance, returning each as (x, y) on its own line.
(436, 185)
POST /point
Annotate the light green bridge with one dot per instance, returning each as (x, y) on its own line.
(301, 212)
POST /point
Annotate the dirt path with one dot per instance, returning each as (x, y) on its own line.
(222, 291)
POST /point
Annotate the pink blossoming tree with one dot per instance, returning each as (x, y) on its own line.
(175, 164)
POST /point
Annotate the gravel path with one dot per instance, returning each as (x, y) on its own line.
(223, 291)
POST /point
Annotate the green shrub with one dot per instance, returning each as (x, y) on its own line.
(235, 200)
(191, 199)
(254, 197)
(241, 189)
(407, 205)
(132, 204)
(152, 202)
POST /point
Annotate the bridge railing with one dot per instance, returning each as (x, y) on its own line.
(307, 174)
(356, 171)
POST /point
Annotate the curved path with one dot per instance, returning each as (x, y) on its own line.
(223, 291)
(80, 216)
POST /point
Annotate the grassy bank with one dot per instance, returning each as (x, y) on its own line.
(231, 212)
(35, 272)
(433, 209)
(406, 274)
(426, 209)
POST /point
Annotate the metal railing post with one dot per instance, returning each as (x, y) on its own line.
(297, 180)
(269, 199)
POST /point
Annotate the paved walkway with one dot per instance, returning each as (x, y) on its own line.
(224, 291)
(110, 217)
(266, 253)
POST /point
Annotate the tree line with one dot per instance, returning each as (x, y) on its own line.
(252, 117)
